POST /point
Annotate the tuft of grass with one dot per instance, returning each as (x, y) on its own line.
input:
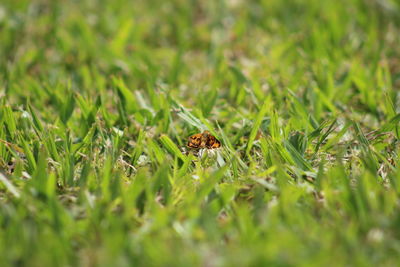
(98, 98)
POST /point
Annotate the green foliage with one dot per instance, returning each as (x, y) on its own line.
(98, 98)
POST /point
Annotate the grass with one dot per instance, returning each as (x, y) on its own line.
(97, 99)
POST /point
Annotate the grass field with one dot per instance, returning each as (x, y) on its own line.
(98, 99)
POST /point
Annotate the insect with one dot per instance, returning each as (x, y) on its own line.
(203, 140)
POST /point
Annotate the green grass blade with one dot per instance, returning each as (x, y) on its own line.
(257, 123)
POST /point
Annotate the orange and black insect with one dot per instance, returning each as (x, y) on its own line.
(203, 140)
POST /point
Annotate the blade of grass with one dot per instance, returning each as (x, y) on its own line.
(257, 123)
(171, 147)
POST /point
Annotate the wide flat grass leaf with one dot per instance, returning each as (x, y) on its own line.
(171, 147)
(257, 123)
(297, 157)
(35, 119)
(127, 96)
(67, 108)
(28, 154)
(188, 117)
(9, 120)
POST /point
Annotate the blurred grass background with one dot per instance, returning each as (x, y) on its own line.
(97, 99)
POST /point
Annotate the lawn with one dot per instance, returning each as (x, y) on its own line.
(98, 99)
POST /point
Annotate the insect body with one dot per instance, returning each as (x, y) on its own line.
(203, 140)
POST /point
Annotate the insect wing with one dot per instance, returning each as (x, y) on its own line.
(195, 141)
